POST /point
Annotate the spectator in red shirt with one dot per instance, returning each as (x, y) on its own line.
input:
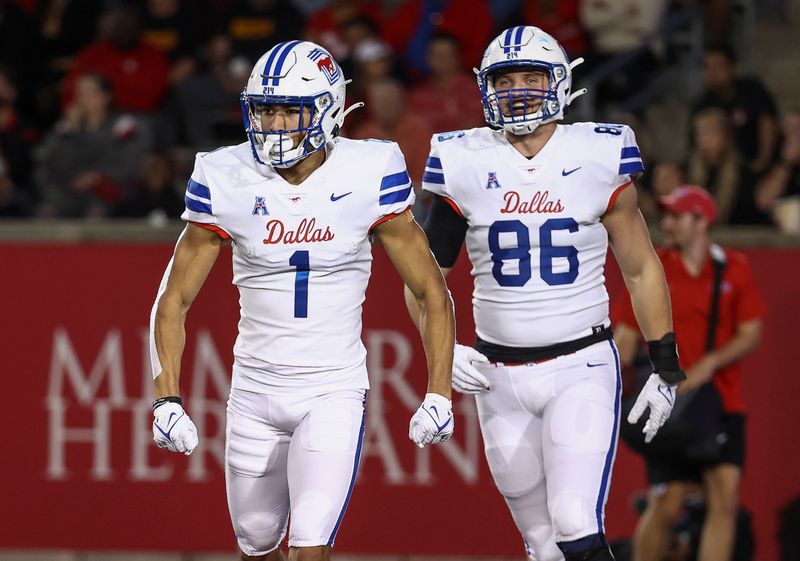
(138, 73)
(447, 98)
(689, 213)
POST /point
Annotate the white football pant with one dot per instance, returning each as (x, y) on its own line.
(291, 454)
(550, 436)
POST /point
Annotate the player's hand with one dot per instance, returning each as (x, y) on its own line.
(173, 429)
(466, 378)
(660, 397)
(433, 421)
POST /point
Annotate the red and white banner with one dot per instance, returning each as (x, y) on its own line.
(79, 470)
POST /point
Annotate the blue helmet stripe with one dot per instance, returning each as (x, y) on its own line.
(281, 60)
(507, 40)
(518, 38)
(270, 60)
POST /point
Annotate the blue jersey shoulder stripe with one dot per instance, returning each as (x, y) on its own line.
(198, 189)
(399, 178)
(395, 197)
(433, 177)
(630, 152)
(434, 162)
(631, 167)
(281, 60)
(197, 206)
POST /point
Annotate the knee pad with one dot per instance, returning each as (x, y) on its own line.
(589, 548)
(572, 516)
(258, 532)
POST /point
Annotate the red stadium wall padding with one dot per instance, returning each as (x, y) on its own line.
(79, 470)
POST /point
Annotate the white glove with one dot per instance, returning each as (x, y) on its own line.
(173, 429)
(660, 397)
(433, 421)
(466, 378)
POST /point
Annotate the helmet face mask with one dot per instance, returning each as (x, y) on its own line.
(519, 110)
(302, 79)
(285, 147)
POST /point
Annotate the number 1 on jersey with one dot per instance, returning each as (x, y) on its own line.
(300, 261)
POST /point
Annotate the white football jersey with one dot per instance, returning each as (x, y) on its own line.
(301, 257)
(534, 236)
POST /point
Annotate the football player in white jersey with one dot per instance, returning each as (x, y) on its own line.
(299, 204)
(538, 203)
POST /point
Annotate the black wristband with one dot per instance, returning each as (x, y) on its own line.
(664, 358)
(168, 399)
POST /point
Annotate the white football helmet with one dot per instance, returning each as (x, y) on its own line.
(526, 47)
(297, 73)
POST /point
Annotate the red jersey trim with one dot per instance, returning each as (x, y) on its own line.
(219, 231)
(453, 204)
(386, 218)
(613, 200)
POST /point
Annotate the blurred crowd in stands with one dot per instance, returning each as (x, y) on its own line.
(103, 103)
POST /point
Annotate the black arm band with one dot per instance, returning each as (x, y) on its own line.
(664, 357)
(168, 399)
(446, 230)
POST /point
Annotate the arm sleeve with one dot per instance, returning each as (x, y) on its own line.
(446, 230)
(395, 192)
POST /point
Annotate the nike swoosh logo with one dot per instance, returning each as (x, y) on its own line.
(566, 173)
(667, 395)
(439, 427)
(433, 408)
(166, 434)
(335, 198)
(593, 364)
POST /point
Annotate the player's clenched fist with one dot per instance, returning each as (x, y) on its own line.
(433, 421)
(172, 427)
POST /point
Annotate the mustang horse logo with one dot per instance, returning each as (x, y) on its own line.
(325, 64)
